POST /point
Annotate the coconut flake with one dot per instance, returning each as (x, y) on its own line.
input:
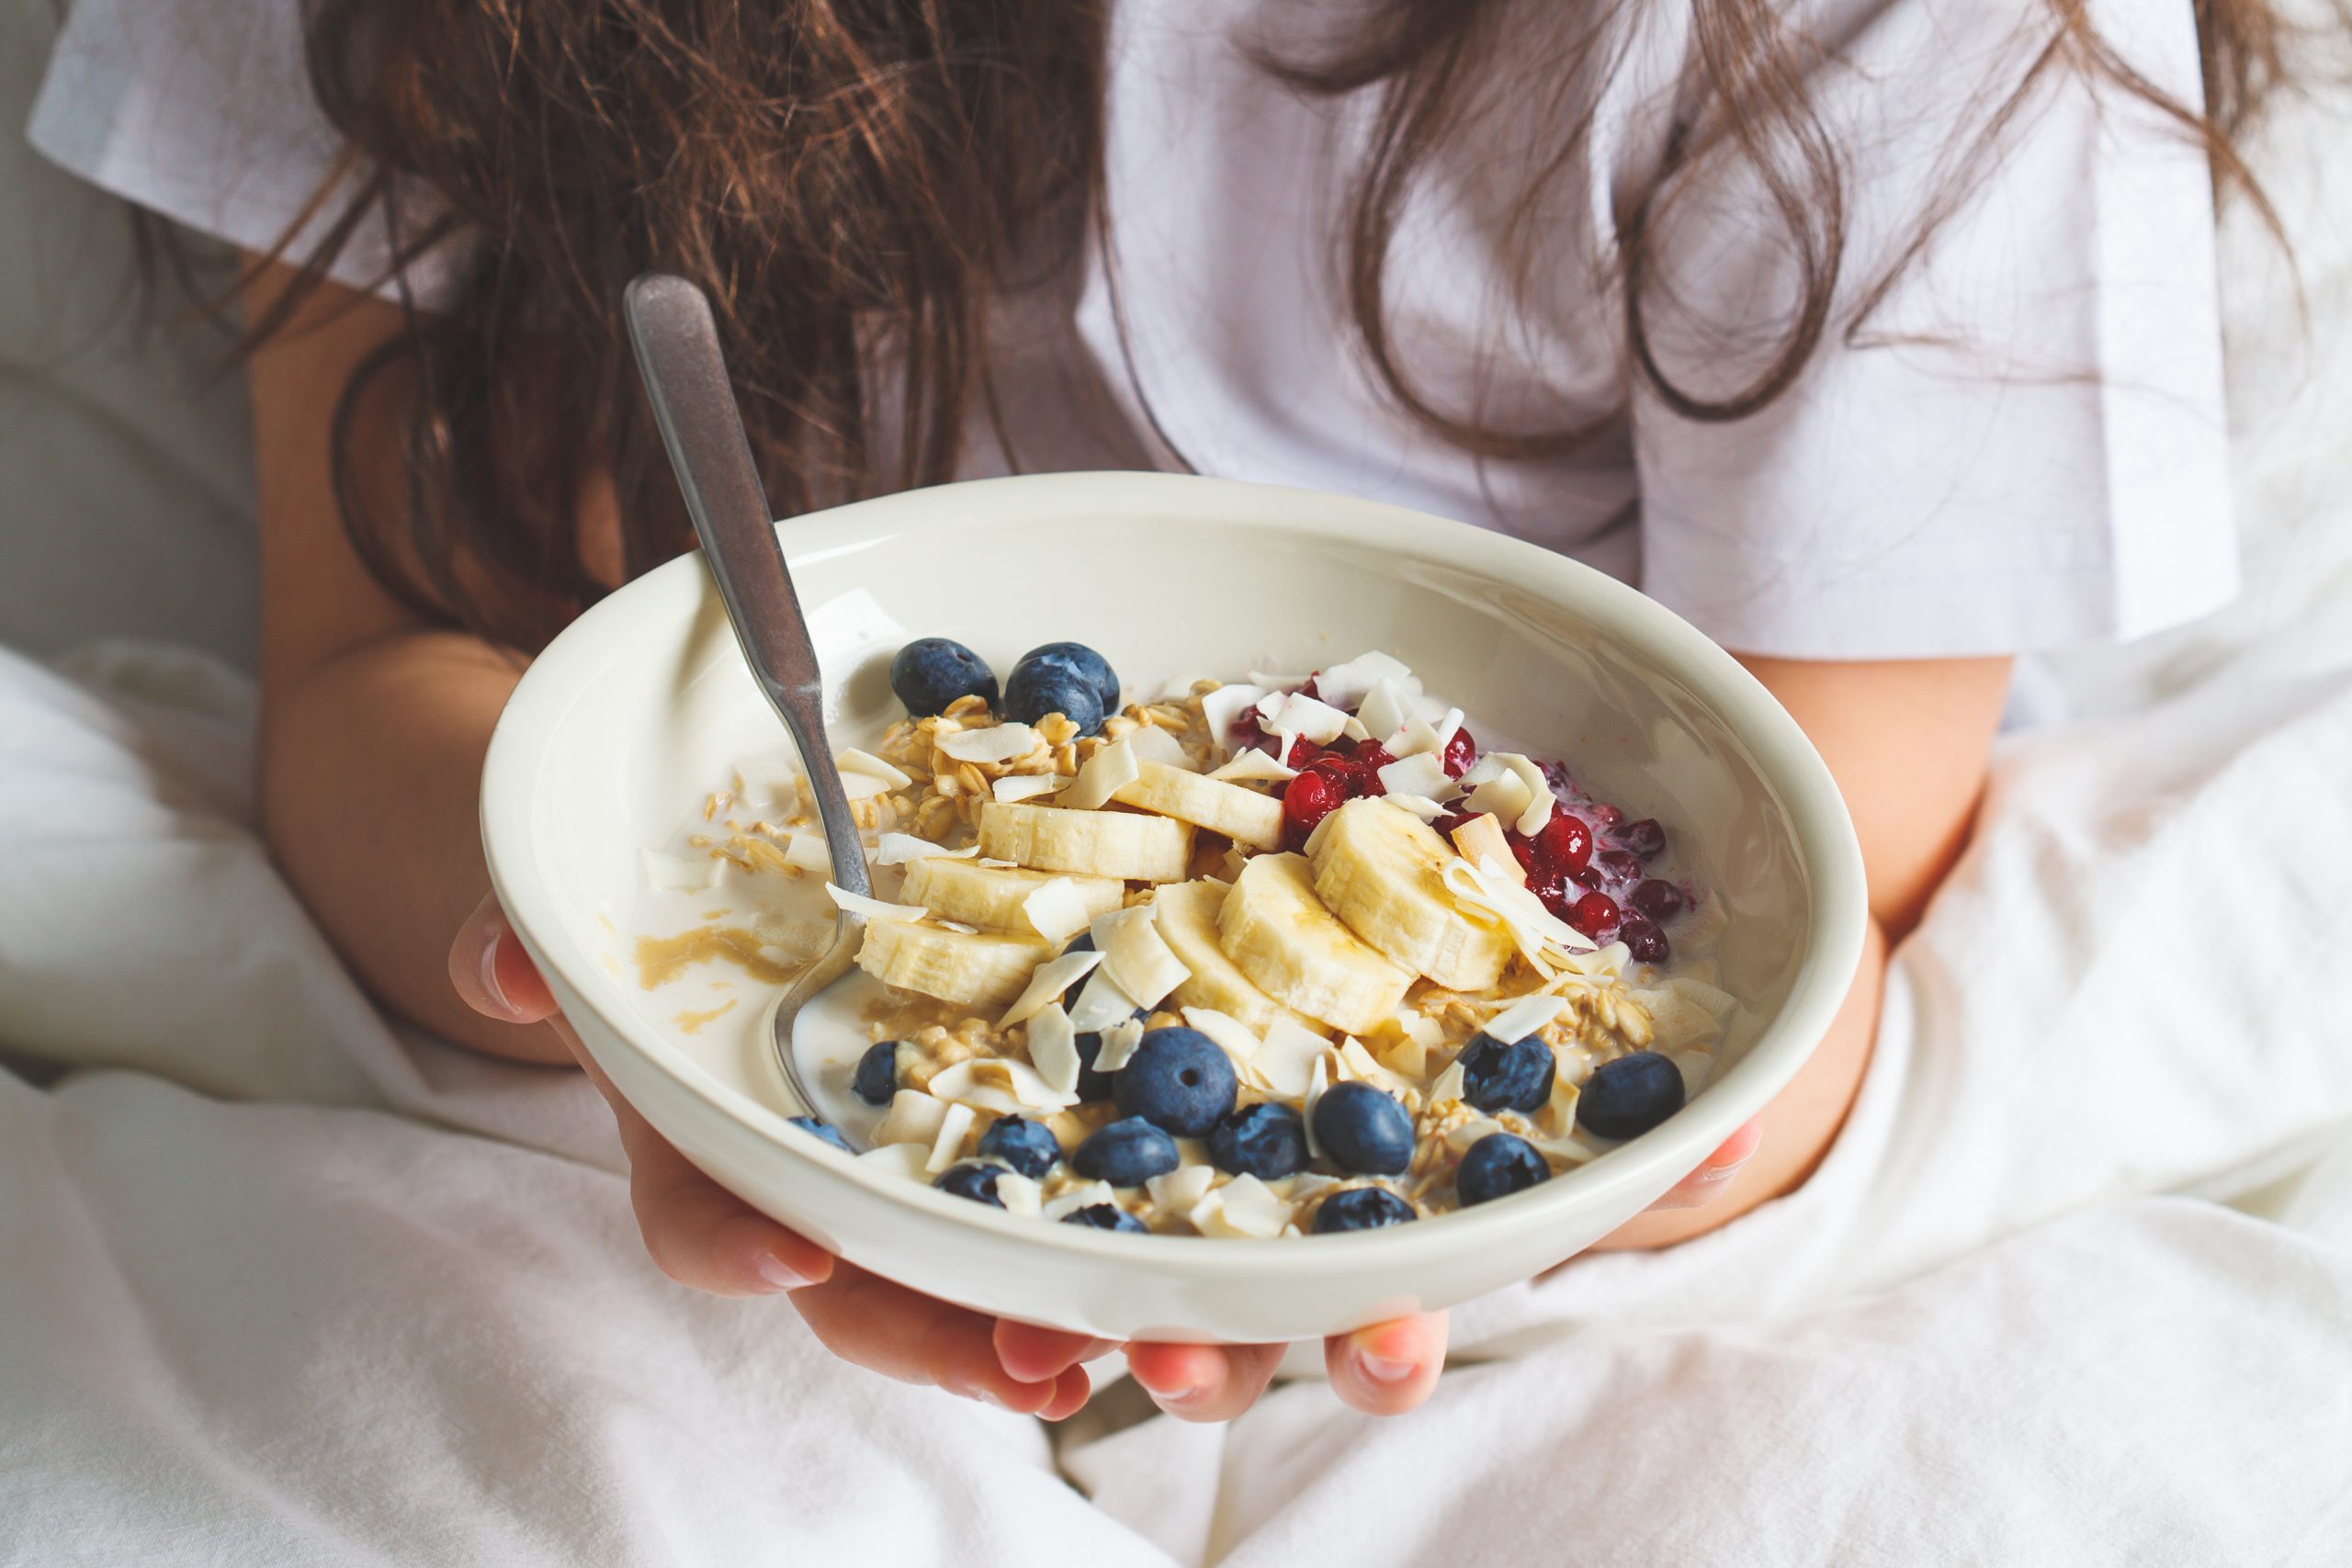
(679, 873)
(1447, 1088)
(902, 1160)
(1000, 1084)
(1423, 775)
(850, 760)
(1224, 705)
(1504, 794)
(947, 1144)
(1112, 769)
(1303, 715)
(1347, 683)
(1233, 1037)
(1253, 764)
(1462, 1135)
(1026, 787)
(1421, 805)
(1447, 727)
(1481, 838)
(1524, 1016)
(874, 909)
(1053, 1049)
(1047, 982)
(1153, 744)
(809, 851)
(864, 787)
(1285, 1060)
(1181, 1188)
(1017, 1193)
(1244, 1206)
(1540, 800)
(1139, 961)
(913, 1118)
(1487, 889)
(1318, 1079)
(903, 849)
(1056, 910)
(1100, 1005)
(1383, 709)
(773, 776)
(1079, 1197)
(1119, 1043)
(1414, 737)
(997, 743)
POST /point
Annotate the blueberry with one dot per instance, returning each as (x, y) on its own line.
(1024, 1144)
(1079, 660)
(1125, 1154)
(1179, 1080)
(977, 1182)
(817, 1129)
(1360, 1208)
(876, 1078)
(1644, 941)
(1659, 901)
(1082, 942)
(1106, 1217)
(1626, 1098)
(1036, 690)
(1498, 1166)
(1644, 837)
(931, 672)
(1495, 1077)
(1266, 1141)
(1363, 1129)
(1093, 1086)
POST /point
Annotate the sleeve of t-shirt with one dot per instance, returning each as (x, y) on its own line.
(2023, 445)
(202, 110)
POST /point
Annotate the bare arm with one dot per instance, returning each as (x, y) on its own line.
(374, 724)
(1907, 742)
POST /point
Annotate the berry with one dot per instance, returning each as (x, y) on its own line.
(931, 672)
(1644, 941)
(1082, 942)
(817, 1129)
(1307, 800)
(1595, 915)
(1558, 889)
(1361, 1209)
(1626, 1098)
(1452, 823)
(1660, 901)
(1604, 817)
(1498, 1166)
(1563, 843)
(1266, 1141)
(876, 1078)
(1106, 1217)
(1036, 690)
(1617, 867)
(1082, 661)
(1363, 1129)
(1522, 849)
(1495, 1077)
(1125, 1154)
(1302, 751)
(1179, 1080)
(1366, 763)
(1644, 837)
(977, 1182)
(1024, 1144)
(1461, 753)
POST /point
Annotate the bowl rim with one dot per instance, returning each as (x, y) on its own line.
(1826, 849)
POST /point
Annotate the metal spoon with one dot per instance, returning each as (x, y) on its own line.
(685, 378)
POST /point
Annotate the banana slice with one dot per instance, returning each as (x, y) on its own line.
(1242, 815)
(991, 896)
(1186, 914)
(976, 969)
(1123, 844)
(1281, 936)
(1383, 873)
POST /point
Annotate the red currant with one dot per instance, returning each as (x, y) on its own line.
(1461, 753)
(1307, 800)
(1522, 849)
(1596, 915)
(1660, 901)
(1644, 837)
(1565, 842)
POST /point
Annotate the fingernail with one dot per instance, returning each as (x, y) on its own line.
(779, 1275)
(1182, 1398)
(490, 985)
(1379, 1369)
(1716, 1174)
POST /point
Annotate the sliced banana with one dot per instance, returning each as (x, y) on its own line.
(991, 896)
(1186, 914)
(976, 969)
(1382, 871)
(1297, 952)
(1242, 815)
(1124, 844)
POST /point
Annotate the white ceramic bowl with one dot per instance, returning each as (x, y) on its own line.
(623, 723)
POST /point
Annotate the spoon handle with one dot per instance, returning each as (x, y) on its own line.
(685, 378)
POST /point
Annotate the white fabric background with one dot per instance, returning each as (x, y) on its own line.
(280, 1283)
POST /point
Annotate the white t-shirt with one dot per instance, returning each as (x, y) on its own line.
(2023, 446)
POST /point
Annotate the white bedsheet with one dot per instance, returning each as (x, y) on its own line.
(282, 1283)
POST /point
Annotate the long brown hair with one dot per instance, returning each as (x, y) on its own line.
(854, 181)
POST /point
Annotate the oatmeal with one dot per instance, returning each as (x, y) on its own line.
(1262, 958)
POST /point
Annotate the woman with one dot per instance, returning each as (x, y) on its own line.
(1879, 338)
